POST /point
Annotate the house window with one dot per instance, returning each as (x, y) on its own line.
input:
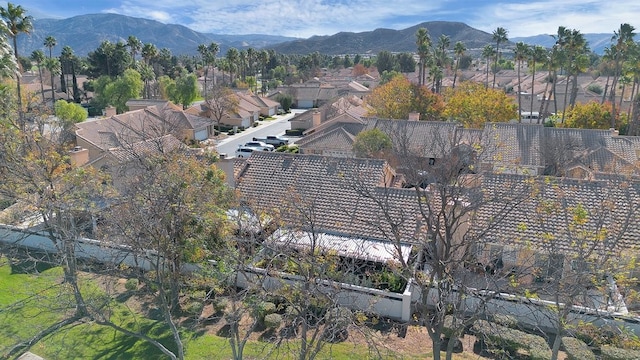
(432, 161)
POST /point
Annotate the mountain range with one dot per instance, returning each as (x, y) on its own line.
(84, 33)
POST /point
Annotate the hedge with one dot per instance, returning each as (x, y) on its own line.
(511, 340)
(576, 349)
(614, 353)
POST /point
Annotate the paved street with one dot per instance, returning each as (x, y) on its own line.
(270, 127)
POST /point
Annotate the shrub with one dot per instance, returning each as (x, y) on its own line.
(194, 308)
(499, 337)
(595, 88)
(505, 320)
(576, 349)
(272, 320)
(131, 284)
(293, 132)
(219, 305)
(613, 353)
(231, 132)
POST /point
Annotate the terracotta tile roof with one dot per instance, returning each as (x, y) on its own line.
(541, 219)
(327, 192)
(512, 144)
(161, 145)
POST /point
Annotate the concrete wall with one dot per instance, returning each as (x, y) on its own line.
(532, 313)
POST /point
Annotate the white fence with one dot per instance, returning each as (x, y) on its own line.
(532, 313)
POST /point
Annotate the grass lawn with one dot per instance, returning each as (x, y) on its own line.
(31, 299)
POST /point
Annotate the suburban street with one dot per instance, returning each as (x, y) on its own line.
(270, 127)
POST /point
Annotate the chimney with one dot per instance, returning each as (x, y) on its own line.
(317, 118)
(226, 165)
(79, 156)
(110, 111)
(414, 116)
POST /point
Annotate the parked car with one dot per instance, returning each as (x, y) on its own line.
(274, 140)
(259, 145)
(244, 151)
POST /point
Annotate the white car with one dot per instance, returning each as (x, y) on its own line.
(259, 145)
(244, 151)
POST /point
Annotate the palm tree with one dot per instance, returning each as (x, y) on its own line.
(623, 38)
(521, 53)
(487, 53)
(212, 53)
(242, 61)
(499, 36)
(53, 66)
(423, 43)
(232, 58)
(135, 45)
(147, 75)
(17, 22)
(441, 59)
(38, 57)
(263, 58)
(536, 55)
(50, 42)
(459, 50)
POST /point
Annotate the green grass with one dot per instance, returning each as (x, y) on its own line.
(44, 300)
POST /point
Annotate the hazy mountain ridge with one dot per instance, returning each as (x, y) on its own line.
(597, 42)
(385, 39)
(84, 33)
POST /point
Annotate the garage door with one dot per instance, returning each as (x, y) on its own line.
(305, 104)
(201, 135)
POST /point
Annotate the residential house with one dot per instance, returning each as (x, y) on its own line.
(108, 139)
(267, 106)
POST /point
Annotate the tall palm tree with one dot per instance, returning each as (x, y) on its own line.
(135, 45)
(499, 36)
(263, 58)
(607, 59)
(459, 49)
(212, 53)
(441, 59)
(623, 39)
(66, 61)
(232, 58)
(242, 62)
(423, 44)
(487, 53)
(252, 58)
(521, 53)
(50, 42)
(38, 57)
(17, 22)
(53, 67)
(536, 55)
(147, 75)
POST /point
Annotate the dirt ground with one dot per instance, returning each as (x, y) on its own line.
(388, 336)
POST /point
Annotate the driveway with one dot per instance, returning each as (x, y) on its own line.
(278, 126)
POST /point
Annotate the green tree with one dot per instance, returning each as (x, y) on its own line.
(71, 112)
(185, 91)
(459, 49)
(499, 36)
(109, 59)
(521, 52)
(117, 92)
(487, 54)
(53, 67)
(372, 144)
(17, 22)
(285, 101)
(135, 45)
(537, 55)
(423, 45)
(38, 57)
(385, 61)
(232, 57)
(624, 38)
(406, 63)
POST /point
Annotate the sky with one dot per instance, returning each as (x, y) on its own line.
(305, 18)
